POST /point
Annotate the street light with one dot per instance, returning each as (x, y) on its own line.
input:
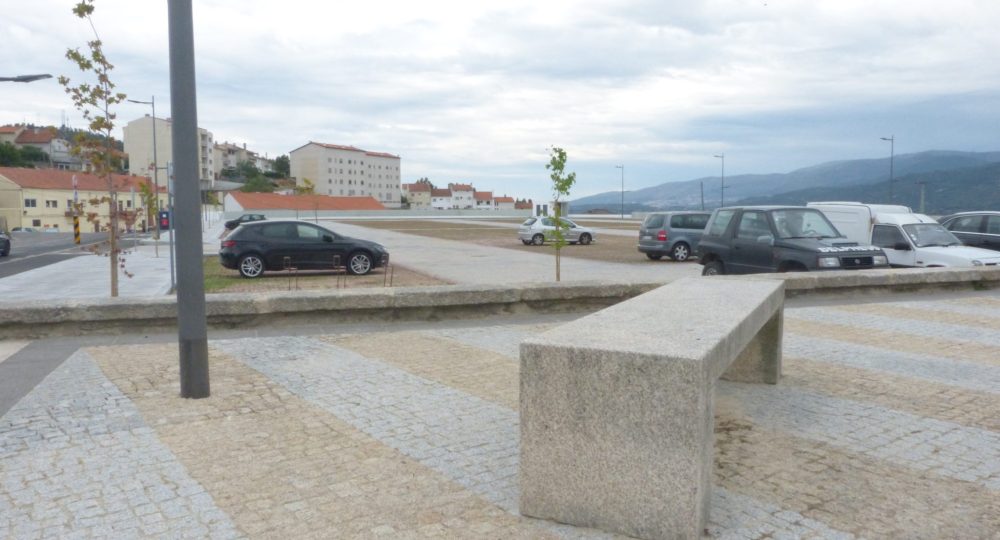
(892, 152)
(722, 186)
(622, 208)
(26, 78)
(156, 167)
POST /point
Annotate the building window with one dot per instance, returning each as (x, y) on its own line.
(51, 204)
(69, 203)
(36, 223)
(30, 203)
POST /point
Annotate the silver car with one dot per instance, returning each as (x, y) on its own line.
(537, 230)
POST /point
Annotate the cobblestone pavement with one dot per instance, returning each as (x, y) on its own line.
(886, 424)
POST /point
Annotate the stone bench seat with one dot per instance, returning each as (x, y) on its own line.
(617, 407)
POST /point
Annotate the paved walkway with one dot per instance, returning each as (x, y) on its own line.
(885, 425)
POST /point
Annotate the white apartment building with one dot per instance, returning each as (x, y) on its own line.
(346, 171)
(462, 196)
(138, 139)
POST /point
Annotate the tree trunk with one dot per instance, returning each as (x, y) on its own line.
(113, 240)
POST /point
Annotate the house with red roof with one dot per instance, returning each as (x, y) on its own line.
(44, 198)
(484, 200)
(347, 171)
(503, 203)
(462, 196)
(418, 194)
(441, 199)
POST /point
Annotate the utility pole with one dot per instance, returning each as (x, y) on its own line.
(922, 186)
(192, 332)
(892, 155)
(702, 183)
(622, 207)
(722, 186)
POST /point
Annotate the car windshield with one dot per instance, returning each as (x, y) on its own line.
(803, 223)
(930, 234)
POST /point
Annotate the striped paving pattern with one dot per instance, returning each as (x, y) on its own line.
(886, 425)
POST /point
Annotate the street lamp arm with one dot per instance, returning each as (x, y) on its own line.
(26, 78)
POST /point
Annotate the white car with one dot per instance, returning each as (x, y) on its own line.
(537, 230)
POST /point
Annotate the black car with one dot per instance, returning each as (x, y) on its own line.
(245, 218)
(976, 229)
(745, 240)
(4, 244)
(256, 247)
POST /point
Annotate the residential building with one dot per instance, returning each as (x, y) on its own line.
(347, 171)
(462, 196)
(441, 199)
(418, 195)
(238, 201)
(45, 139)
(524, 204)
(44, 198)
(228, 156)
(503, 203)
(484, 200)
(9, 134)
(138, 139)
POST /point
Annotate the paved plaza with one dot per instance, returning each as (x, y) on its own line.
(886, 424)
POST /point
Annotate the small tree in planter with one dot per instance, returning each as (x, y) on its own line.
(561, 184)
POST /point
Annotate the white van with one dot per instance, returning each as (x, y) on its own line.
(908, 239)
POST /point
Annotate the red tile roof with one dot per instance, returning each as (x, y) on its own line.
(523, 205)
(58, 179)
(40, 136)
(440, 193)
(9, 129)
(461, 187)
(504, 199)
(381, 154)
(483, 195)
(274, 201)
(417, 187)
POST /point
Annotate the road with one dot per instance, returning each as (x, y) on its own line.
(31, 250)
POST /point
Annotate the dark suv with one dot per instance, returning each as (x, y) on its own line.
(674, 234)
(277, 245)
(751, 239)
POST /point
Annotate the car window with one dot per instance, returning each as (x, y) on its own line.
(689, 221)
(800, 222)
(653, 221)
(887, 236)
(529, 222)
(308, 232)
(993, 225)
(278, 230)
(721, 222)
(930, 234)
(548, 222)
(967, 224)
(567, 223)
(753, 225)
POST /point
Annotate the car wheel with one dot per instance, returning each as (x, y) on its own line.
(251, 266)
(681, 252)
(538, 240)
(713, 268)
(654, 256)
(585, 239)
(359, 263)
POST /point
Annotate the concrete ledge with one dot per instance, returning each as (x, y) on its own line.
(34, 320)
(617, 407)
(892, 280)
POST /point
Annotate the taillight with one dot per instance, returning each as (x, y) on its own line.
(662, 235)
(228, 243)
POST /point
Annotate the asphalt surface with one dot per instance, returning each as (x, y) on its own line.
(29, 251)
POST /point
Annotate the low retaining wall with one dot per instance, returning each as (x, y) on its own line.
(228, 311)
(34, 320)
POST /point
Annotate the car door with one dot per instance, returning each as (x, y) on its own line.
(895, 244)
(278, 243)
(752, 244)
(971, 230)
(991, 238)
(311, 248)
(571, 231)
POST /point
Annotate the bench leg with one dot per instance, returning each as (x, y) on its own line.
(760, 361)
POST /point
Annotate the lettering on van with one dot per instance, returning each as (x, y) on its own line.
(846, 249)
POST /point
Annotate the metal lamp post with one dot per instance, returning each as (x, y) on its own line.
(622, 208)
(722, 186)
(892, 152)
(26, 78)
(156, 169)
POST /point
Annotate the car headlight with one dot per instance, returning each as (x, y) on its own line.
(977, 262)
(828, 262)
(880, 260)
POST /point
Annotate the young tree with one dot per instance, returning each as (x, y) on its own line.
(561, 184)
(282, 166)
(95, 101)
(307, 187)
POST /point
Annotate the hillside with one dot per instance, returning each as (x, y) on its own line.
(686, 194)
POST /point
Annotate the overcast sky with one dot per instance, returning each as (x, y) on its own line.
(476, 91)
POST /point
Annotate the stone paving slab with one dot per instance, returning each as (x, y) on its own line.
(412, 433)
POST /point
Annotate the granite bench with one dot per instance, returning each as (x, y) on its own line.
(617, 407)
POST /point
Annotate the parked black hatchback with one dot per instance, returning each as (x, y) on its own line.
(746, 240)
(256, 247)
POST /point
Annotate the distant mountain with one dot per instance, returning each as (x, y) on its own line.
(945, 192)
(687, 194)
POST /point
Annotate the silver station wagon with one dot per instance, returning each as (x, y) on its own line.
(538, 230)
